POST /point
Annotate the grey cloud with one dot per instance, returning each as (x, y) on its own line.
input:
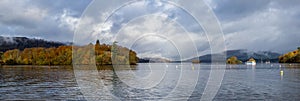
(236, 9)
(19, 14)
(174, 43)
(247, 24)
(40, 18)
(271, 27)
(56, 6)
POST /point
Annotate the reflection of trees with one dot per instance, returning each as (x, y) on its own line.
(120, 89)
(117, 67)
(28, 75)
(294, 65)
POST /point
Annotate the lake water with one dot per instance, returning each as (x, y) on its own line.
(153, 81)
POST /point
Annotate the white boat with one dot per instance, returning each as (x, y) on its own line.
(250, 63)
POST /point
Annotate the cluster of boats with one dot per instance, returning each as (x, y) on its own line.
(254, 62)
(250, 63)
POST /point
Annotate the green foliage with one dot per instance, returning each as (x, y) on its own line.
(233, 60)
(290, 57)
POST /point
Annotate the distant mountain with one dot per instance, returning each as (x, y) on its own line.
(9, 43)
(153, 60)
(243, 55)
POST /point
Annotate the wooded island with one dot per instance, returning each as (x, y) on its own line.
(62, 55)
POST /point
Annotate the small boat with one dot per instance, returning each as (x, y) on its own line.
(250, 63)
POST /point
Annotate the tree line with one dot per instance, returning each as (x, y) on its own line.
(235, 60)
(62, 55)
(10, 43)
(290, 57)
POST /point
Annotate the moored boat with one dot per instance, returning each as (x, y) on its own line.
(250, 63)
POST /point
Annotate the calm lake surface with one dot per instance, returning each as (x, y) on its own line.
(239, 82)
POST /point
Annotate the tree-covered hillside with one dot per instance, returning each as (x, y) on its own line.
(233, 60)
(290, 57)
(62, 55)
(10, 43)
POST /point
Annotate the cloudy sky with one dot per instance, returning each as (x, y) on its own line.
(154, 28)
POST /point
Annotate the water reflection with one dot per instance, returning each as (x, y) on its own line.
(114, 83)
(241, 82)
(39, 83)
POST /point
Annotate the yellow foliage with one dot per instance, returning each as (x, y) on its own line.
(252, 60)
(290, 57)
(233, 60)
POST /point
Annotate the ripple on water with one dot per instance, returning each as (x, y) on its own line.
(240, 82)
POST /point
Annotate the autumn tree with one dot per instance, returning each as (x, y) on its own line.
(62, 55)
(97, 48)
(290, 57)
(233, 60)
(11, 57)
(297, 58)
(251, 60)
(27, 55)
